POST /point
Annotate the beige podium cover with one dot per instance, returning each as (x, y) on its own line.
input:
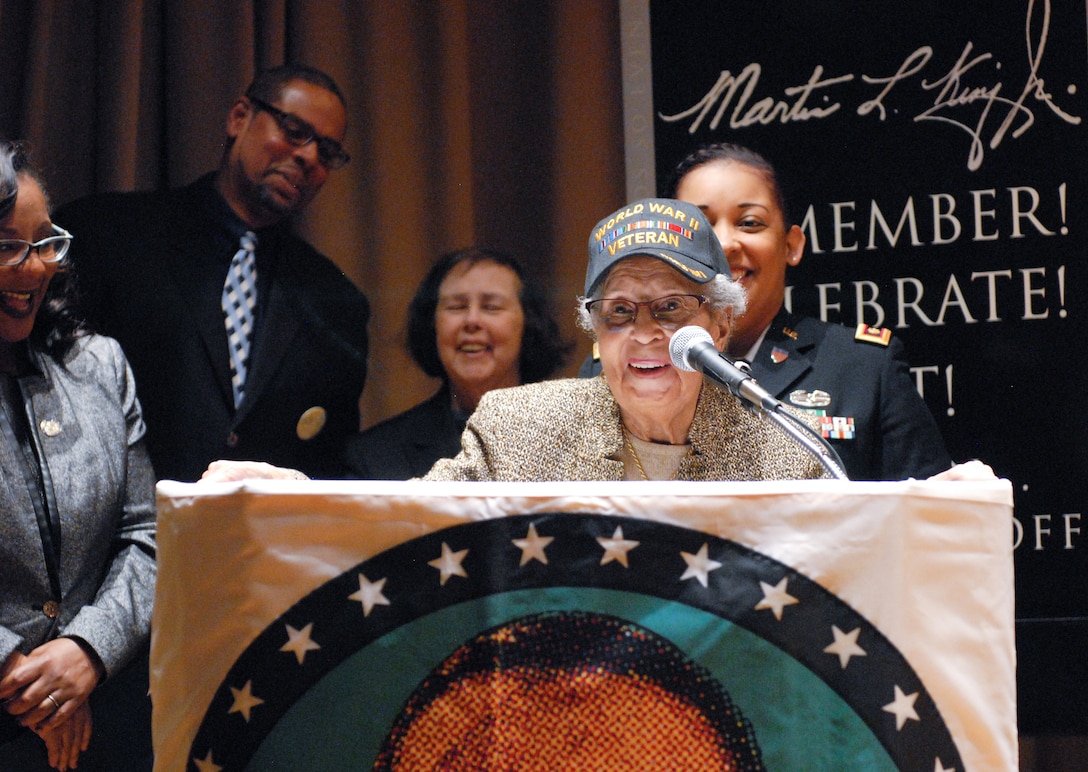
(840, 624)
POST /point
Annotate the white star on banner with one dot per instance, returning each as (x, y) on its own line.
(532, 546)
(207, 765)
(845, 645)
(903, 707)
(699, 565)
(244, 701)
(299, 642)
(776, 598)
(369, 594)
(616, 548)
(449, 564)
(939, 767)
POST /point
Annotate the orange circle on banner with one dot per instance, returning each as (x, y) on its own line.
(538, 720)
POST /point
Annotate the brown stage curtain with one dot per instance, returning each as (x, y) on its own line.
(489, 122)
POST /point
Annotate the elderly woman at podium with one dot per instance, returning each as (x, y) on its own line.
(655, 266)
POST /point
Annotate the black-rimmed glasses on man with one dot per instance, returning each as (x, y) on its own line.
(52, 249)
(300, 133)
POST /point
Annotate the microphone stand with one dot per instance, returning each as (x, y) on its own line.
(814, 444)
(736, 378)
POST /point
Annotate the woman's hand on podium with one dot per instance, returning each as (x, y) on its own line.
(968, 470)
(234, 471)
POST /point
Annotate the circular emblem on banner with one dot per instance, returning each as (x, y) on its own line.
(724, 647)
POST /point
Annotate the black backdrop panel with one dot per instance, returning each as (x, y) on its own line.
(935, 153)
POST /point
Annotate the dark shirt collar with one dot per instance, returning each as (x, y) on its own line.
(229, 226)
(216, 208)
(446, 396)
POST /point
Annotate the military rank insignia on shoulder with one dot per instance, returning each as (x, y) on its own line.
(881, 336)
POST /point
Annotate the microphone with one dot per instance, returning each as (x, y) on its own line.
(692, 349)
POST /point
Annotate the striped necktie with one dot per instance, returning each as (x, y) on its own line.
(239, 304)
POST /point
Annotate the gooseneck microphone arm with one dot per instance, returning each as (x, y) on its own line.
(692, 349)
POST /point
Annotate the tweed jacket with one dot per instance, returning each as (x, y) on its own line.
(151, 268)
(88, 425)
(571, 430)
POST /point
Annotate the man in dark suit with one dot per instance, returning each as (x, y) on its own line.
(152, 268)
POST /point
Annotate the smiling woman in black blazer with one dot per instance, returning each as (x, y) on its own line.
(478, 323)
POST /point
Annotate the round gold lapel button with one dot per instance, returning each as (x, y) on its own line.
(311, 423)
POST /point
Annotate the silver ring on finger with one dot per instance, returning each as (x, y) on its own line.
(52, 699)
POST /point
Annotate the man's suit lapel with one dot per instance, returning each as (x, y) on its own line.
(784, 356)
(192, 277)
(277, 331)
(186, 247)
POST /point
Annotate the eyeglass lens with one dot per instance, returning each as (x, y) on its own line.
(669, 311)
(300, 133)
(52, 249)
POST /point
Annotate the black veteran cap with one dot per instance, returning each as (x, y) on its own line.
(672, 231)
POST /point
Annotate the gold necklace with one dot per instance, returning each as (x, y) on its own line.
(638, 462)
(634, 455)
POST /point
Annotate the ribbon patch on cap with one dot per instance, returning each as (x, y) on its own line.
(779, 355)
(644, 232)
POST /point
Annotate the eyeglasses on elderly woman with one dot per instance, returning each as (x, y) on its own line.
(671, 311)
